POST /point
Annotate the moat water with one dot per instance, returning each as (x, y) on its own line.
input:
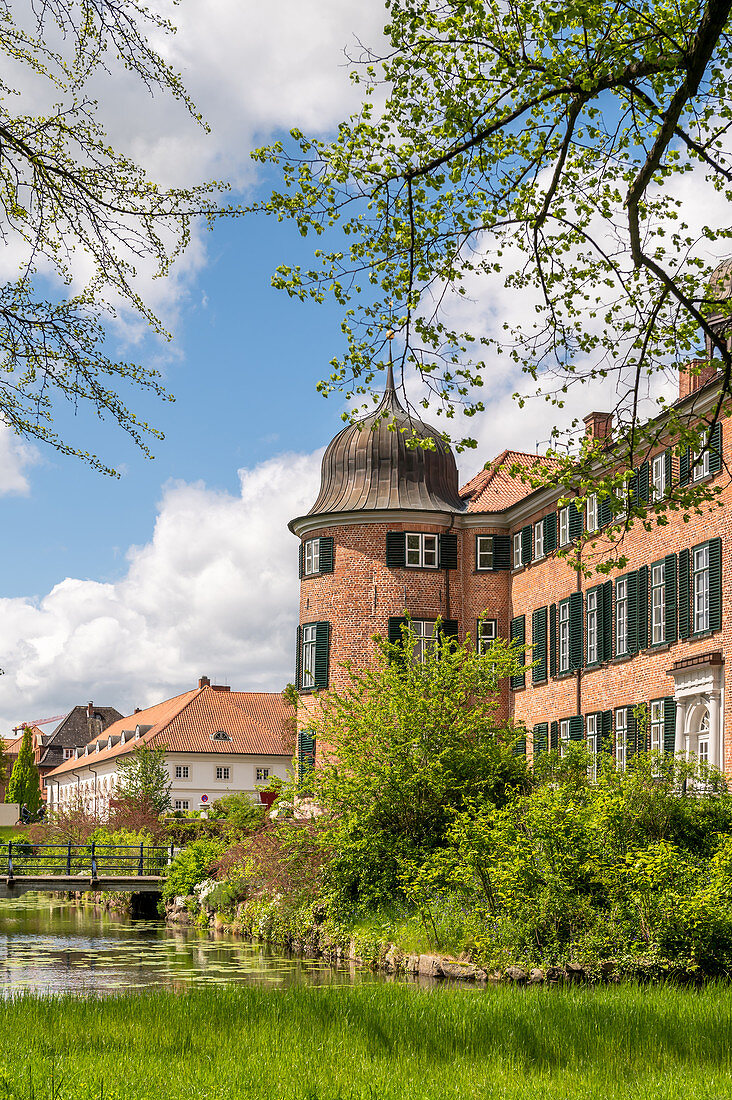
(48, 945)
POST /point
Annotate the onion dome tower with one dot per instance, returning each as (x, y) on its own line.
(372, 465)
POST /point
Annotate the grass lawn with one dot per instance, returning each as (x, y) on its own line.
(372, 1041)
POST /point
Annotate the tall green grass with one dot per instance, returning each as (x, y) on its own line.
(373, 1041)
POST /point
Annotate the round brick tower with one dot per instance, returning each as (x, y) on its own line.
(380, 541)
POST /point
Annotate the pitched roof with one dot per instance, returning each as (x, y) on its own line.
(256, 722)
(494, 488)
(75, 729)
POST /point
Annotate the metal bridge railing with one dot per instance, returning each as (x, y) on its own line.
(91, 860)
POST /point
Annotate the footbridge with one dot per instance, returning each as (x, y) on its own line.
(138, 868)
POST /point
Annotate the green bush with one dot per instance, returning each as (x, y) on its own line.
(191, 867)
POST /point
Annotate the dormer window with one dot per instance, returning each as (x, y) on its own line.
(220, 735)
(109, 742)
(122, 738)
(137, 734)
(96, 747)
(86, 750)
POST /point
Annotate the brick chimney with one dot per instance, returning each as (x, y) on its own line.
(90, 709)
(598, 426)
(694, 375)
(204, 682)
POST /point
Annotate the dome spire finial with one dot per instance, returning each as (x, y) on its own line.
(390, 388)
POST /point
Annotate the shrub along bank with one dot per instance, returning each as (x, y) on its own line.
(437, 837)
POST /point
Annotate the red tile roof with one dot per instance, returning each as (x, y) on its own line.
(257, 723)
(494, 488)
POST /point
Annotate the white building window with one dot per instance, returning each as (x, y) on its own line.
(68, 753)
(658, 604)
(181, 771)
(658, 477)
(222, 772)
(621, 738)
(539, 539)
(656, 725)
(262, 774)
(591, 512)
(593, 721)
(592, 627)
(424, 630)
(312, 556)
(701, 589)
(564, 526)
(564, 636)
(517, 555)
(484, 552)
(621, 617)
(563, 735)
(308, 655)
(421, 551)
(487, 634)
(700, 461)
(182, 804)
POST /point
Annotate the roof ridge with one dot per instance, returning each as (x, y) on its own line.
(196, 694)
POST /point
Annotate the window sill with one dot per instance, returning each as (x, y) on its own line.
(566, 674)
(540, 683)
(520, 687)
(621, 660)
(701, 635)
(659, 647)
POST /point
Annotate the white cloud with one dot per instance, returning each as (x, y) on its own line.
(214, 592)
(16, 456)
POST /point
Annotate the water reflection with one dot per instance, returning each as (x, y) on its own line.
(50, 946)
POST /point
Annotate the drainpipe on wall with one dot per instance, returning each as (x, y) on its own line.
(584, 627)
(447, 572)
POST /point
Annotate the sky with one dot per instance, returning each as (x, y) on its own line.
(126, 591)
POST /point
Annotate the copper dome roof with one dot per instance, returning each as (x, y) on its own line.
(369, 465)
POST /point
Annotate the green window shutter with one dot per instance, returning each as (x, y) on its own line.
(598, 593)
(576, 632)
(395, 634)
(518, 634)
(554, 736)
(643, 484)
(541, 738)
(538, 641)
(684, 467)
(715, 449)
(448, 551)
(501, 552)
(642, 607)
(305, 754)
(519, 745)
(606, 731)
(301, 561)
(715, 584)
(322, 655)
(604, 511)
(577, 728)
(607, 621)
(327, 555)
(576, 524)
(449, 629)
(668, 467)
(669, 725)
(632, 581)
(669, 565)
(550, 532)
(684, 587)
(526, 545)
(298, 658)
(396, 549)
(553, 640)
(631, 738)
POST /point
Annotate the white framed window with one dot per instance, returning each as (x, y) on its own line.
(308, 655)
(593, 737)
(621, 737)
(517, 555)
(703, 750)
(656, 725)
(564, 525)
(181, 771)
(700, 458)
(563, 735)
(564, 636)
(621, 617)
(591, 520)
(222, 772)
(487, 634)
(658, 604)
(312, 556)
(421, 550)
(262, 774)
(182, 804)
(701, 589)
(484, 552)
(592, 627)
(68, 753)
(539, 539)
(424, 630)
(658, 477)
